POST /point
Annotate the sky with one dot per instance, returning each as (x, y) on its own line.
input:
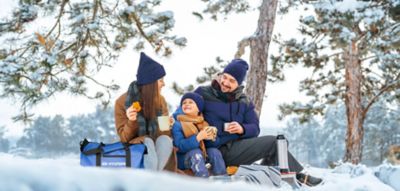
(207, 39)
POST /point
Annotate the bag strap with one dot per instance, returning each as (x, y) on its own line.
(98, 159)
(127, 155)
(91, 151)
(83, 144)
(96, 151)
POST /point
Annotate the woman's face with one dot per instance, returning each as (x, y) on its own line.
(160, 83)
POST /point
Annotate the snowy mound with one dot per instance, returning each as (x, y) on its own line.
(19, 174)
(389, 175)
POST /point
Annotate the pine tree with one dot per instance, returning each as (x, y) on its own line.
(258, 42)
(305, 139)
(353, 52)
(55, 46)
(332, 133)
(210, 73)
(86, 36)
(381, 131)
(81, 127)
(4, 143)
(45, 137)
(103, 121)
(259, 49)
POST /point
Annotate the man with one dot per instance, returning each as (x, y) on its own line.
(227, 105)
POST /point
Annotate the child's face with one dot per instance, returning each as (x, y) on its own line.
(189, 107)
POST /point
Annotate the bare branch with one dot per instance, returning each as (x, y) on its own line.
(242, 45)
(58, 17)
(96, 82)
(335, 54)
(367, 58)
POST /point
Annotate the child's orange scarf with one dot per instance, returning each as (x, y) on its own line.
(193, 125)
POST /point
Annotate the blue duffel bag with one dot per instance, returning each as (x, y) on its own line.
(112, 155)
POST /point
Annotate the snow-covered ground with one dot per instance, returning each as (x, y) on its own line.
(22, 174)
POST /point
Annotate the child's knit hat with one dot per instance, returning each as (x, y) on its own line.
(197, 98)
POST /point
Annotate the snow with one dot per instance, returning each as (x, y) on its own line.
(129, 9)
(180, 41)
(341, 6)
(347, 35)
(309, 18)
(93, 26)
(389, 175)
(168, 14)
(373, 15)
(21, 174)
(65, 174)
(78, 18)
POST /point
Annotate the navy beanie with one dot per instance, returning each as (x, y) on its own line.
(197, 98)
(149, 70)
(237, 68)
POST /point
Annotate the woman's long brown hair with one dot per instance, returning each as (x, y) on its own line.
(150, 100)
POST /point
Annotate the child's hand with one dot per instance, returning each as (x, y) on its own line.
(204, 134)
(171, 121)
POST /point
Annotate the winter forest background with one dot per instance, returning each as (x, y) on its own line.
(315, 143)
(331, 36)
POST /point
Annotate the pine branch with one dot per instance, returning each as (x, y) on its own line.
(395, 84)
(139, 25)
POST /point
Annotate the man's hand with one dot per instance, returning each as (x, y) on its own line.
(234, 128)
(131, 113)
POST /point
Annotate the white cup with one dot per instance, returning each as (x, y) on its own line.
(226, 125)
(214, 132)
(163, 123)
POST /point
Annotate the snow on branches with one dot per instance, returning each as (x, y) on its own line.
(58, 45)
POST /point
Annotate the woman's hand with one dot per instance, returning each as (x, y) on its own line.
(131, 113)
(204, 134)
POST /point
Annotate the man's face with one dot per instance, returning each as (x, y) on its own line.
(228, 83)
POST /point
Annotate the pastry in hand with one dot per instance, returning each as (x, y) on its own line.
(136, 105)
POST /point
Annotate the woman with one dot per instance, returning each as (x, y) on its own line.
(139, 124)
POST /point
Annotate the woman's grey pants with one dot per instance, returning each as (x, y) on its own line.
(157, 154)
(247, 151)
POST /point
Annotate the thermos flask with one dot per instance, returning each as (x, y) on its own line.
(282, 154)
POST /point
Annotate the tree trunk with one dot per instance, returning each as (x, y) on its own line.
(259, 44)
(354, 109)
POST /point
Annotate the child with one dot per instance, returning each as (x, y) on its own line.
(189, 133)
